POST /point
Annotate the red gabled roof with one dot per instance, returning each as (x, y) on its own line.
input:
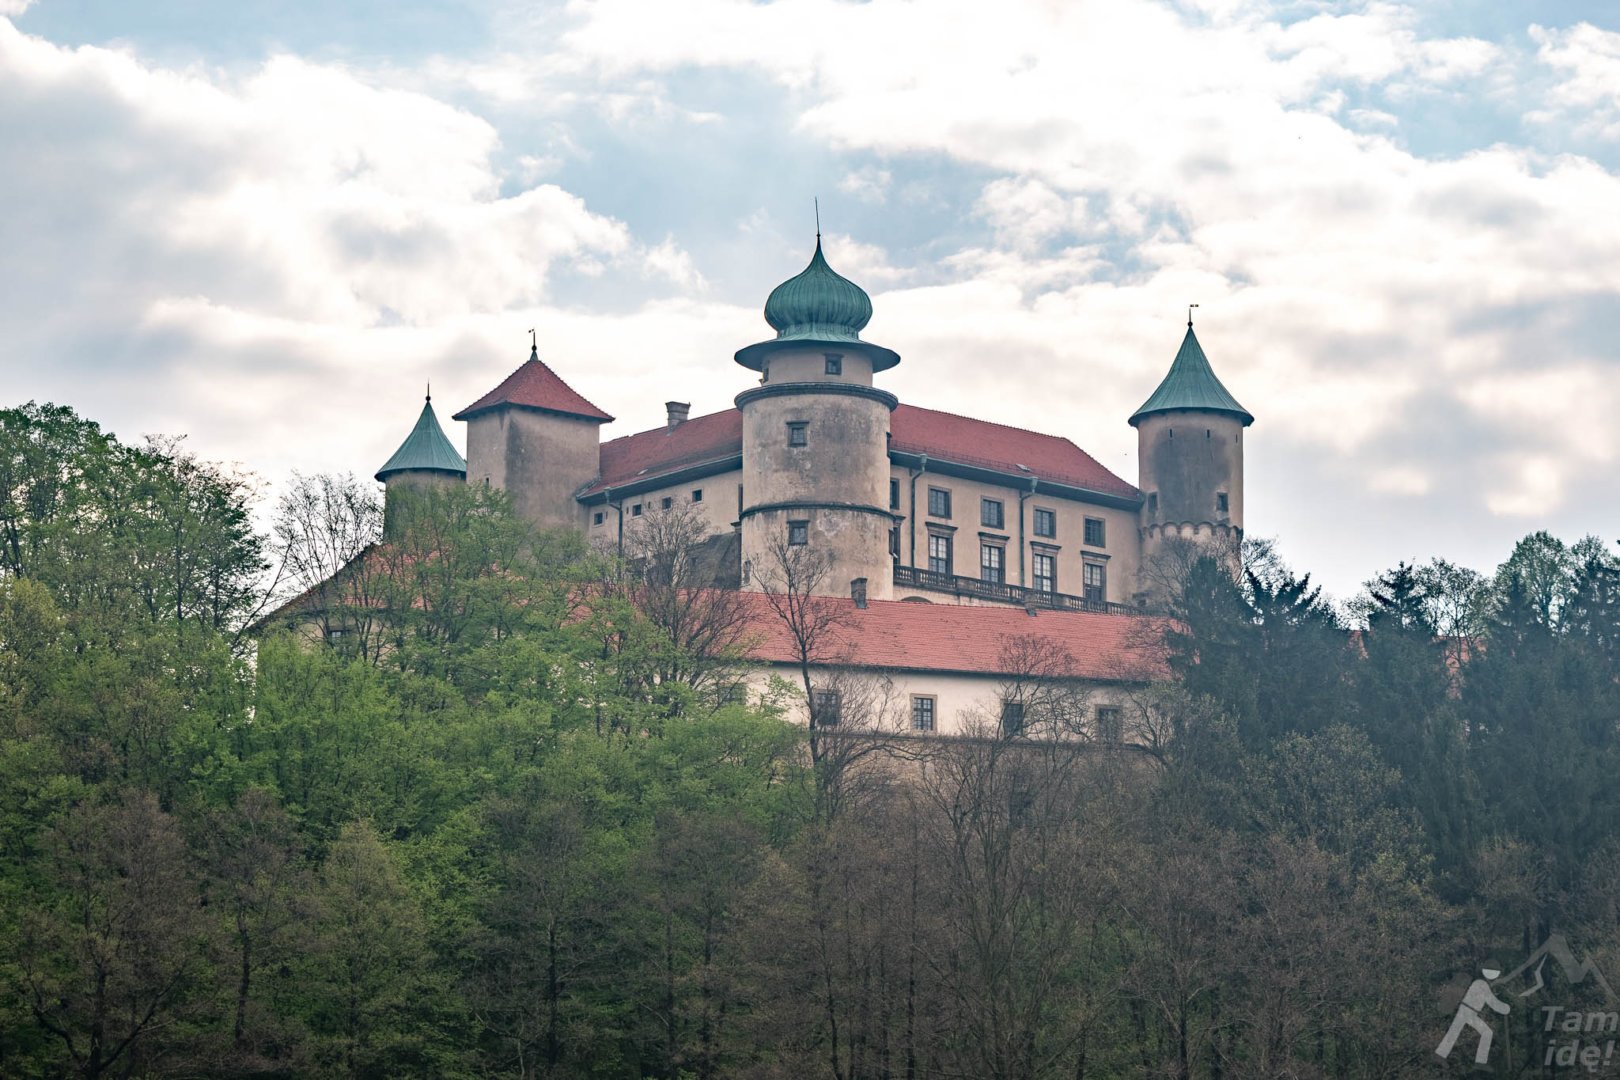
(909, 636)
(535, 386)
(940, 435)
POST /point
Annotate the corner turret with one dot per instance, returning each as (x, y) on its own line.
(424, 461)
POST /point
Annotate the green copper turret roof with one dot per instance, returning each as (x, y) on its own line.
(1191, 384)
(425, 448)
(818, 306)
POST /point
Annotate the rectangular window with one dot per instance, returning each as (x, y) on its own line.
(939, 503)
(597, 519)
(1110, 729)
(894, 494)
(1095, 535)
(939, 555)
(697, 494)
(635, 511)
(666, 502)
(1012, 717)
(1153, 502)
(1045, 522)
(798, 533)
(992, 563)
(990, 513)
(1221, 503)
(835, 364)
(922, 714)
(1096, 582)
(1045, 573)
(827, 708)
(798, 433)
(894, 542)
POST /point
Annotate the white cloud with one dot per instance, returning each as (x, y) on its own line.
(1588, 60)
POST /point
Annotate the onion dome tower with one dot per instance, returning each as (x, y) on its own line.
(1189, 437)
(816, 437)
(424, 461)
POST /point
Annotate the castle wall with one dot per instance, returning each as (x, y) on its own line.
(1186, 459)
(540, 458)
(717, 508)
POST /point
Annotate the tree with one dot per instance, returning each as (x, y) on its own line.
(322, 525)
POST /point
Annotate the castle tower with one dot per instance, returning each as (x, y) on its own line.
(425, 461)
(815, 437)
(1189, 437)
(539, 440)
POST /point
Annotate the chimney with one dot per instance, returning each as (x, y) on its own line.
(678, 412)
(857, 591)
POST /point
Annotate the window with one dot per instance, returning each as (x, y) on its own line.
(1110, 729)
(798, 533)
(666, 502)
(798, 433)
(826, 708)
(1096, 581)
(697, 494)
(1221, 503)
(835, 364)
(939, 503)
(635, 511)
(1095, 534)
(1045, 573)
(597, 519)
(894, 494)
(1153, 502)
(990, 513)
(1045, 522)
(1012, 717)
(922, 714)
(992, 563)
(894, 541)
(939, 554)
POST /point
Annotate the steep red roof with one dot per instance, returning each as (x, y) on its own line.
(535, 386)
(940, 435)
(909, 636)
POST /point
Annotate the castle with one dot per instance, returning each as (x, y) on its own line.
(905, 503)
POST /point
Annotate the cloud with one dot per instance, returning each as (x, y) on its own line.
(1587, 61)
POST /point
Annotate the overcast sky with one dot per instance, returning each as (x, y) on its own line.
(266, 225)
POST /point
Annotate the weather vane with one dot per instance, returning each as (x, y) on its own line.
(1189, 315)
(817, 201)
(430, 391)
(534, 342)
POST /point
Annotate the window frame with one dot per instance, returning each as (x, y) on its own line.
(1110, 724)
(1100, 587)
(1051, 561)
(992, 562)
(1051, 521)
(939, 503)
(697, 495)
(635, 510)
(995, 520)
(894, 493)
(599, 517)
(1100, 532)
(950, 554)
(1223, 503)
(798, 533)
(820, 700)
(798, 433)
(924, 712)
(835, 363)
(666, 503)
(1011, 708)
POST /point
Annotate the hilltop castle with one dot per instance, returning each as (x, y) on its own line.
(905, 502)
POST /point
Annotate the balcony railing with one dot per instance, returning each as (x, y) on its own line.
(912, 578)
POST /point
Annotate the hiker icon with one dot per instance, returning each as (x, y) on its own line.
(1479, 996)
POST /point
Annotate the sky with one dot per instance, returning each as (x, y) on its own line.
(268, 226)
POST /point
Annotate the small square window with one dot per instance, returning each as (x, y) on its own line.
(991, 514)
(666, 502)
(1095, 534)
(635, 511)
(939, 503)
(798, 533)
(1045, 522)
(894, 494)
(827, 708)
(798, 433)
(697, 494)
(1012, 717)
(835, 364)
(922, 714)
(598, 518)
(1221, 503)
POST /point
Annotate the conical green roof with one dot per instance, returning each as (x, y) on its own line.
(818, 306)
(1191, 384)
(425, 448)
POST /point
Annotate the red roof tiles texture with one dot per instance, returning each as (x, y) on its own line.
(910, 636)
(535, 386)
(915, 430)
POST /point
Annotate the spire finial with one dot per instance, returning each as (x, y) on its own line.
(817, 201)
(534, 343)
(1189, 315)
(430, 391)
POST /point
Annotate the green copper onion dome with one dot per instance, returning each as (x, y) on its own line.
(818, 306)
(425, 448)
(1191, 384)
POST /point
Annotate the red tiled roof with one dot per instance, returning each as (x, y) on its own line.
(909, 636)
(535, 386)
(940, 435)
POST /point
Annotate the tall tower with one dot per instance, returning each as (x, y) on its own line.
(539, 440)
(425, 461)
(1189, 439)
(816, 437)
